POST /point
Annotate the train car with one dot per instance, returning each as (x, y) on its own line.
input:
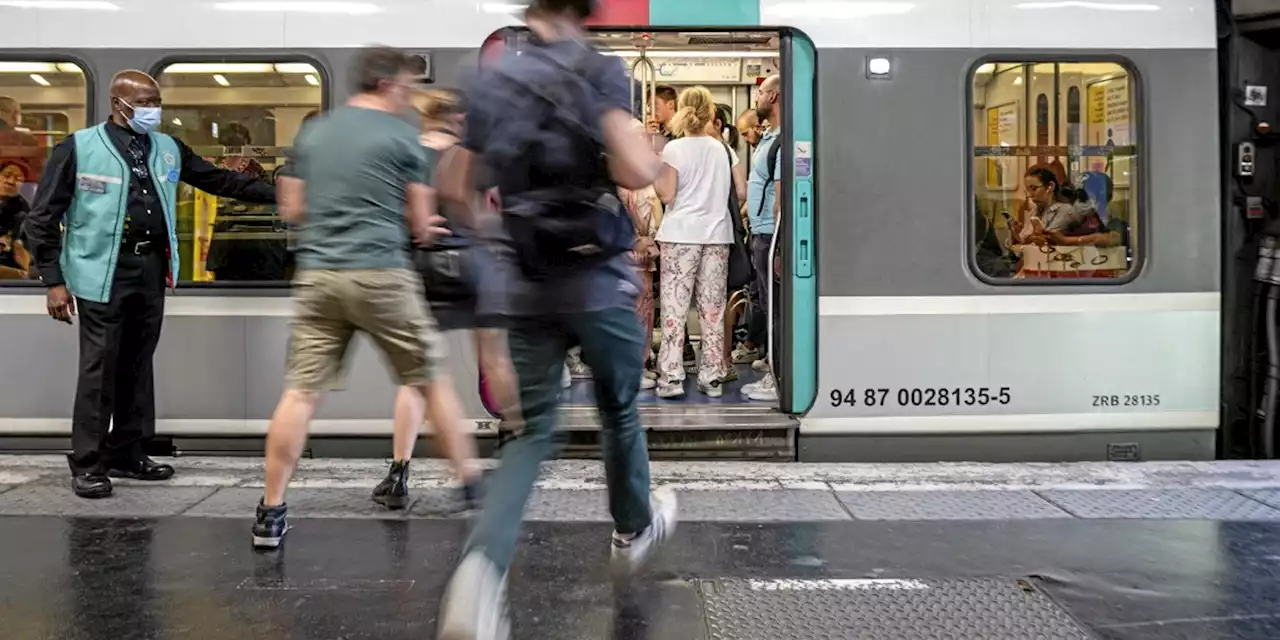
(939, 301)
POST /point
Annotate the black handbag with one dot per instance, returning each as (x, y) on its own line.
(448, 274)
(741, 272)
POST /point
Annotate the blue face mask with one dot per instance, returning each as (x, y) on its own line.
(145, 119)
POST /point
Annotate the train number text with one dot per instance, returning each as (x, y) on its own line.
(1126, 400)
(944, 397)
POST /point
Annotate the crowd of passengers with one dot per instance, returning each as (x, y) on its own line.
(682, 222)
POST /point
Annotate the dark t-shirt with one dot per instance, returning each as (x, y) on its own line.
(356, 164)
(610, 285)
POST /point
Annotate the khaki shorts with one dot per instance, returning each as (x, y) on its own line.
(329, 306)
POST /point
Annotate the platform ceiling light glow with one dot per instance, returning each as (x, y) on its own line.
(879, 66)
(836, 9)
(39, 79)
(1083, 4)
(347, 8)
(221, 79)
(239, 67)
(63, 5)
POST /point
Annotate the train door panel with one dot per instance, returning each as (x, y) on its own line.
(796, 340)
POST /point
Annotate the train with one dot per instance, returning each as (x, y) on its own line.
(918, 319)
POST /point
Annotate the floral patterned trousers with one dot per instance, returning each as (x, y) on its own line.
(693, 272)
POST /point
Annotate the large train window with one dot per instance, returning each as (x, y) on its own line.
(1055, 181)
(242, 115)
(41, 103)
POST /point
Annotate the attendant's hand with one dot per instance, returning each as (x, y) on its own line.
(60, 304)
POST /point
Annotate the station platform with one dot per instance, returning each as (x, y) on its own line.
(797, 551)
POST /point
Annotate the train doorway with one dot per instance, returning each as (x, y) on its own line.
(732, 65)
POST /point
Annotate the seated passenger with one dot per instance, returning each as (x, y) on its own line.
(1049, 207)
(1096, 229)
(15, 262)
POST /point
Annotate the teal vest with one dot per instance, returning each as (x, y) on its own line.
(95, 221)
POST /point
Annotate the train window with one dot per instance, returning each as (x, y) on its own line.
(1055, 181)
(242, 116)
(41, 102)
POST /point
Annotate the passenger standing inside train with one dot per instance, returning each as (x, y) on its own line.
(553, 172)
(16, 143)
(646, 213)
(750, 129)
(696, 233)
(114, 188)
(764, 205)
(358, 184)
(664, 109)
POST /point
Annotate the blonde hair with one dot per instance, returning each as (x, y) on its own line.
(437, 106)
(695, 110)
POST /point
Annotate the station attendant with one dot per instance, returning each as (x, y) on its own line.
(104, 238)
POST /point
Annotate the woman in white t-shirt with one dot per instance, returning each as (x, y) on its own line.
(694, 242)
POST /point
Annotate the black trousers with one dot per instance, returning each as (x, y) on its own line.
(115, 408)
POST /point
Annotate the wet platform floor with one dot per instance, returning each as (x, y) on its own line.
(197, 578)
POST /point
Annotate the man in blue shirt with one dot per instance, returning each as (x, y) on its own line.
(764, 188)
(591, 307)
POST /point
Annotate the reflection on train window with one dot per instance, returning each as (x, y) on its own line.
(1055, 170)
(40, 104)
(242, 116)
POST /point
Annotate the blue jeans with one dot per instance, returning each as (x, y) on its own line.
(612, 344)
(758, 332)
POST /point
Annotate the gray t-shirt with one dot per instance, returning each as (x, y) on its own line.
(356, 164)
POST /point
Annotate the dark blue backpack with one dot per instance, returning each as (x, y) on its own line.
(561, 210)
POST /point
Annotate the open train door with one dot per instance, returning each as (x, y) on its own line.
(794, 330)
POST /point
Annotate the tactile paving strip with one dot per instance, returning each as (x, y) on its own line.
(1268, 496)
(944, 609)
(303, 503)
(568, 506)
(125, 502)
(1182, 504)
(775, 505)
(949, 505)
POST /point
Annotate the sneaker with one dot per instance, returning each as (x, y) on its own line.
(730, 375)
(566, 381)
(629, 553)
(743, 355)
(760, 365)
(711, 390)
(671, 391)
(393, 491)
(650, 374)
(647, 383)
(764, 391)
(271, 525)
(475, 602)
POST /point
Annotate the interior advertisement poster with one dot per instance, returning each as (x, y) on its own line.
(1002, 131)
(206, 209)
(1109, 125)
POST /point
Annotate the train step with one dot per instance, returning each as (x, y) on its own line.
(674, 432)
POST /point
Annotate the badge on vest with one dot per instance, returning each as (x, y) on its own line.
(173, 176)
(92, 185)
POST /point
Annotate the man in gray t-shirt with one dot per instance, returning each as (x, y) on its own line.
(355, 186)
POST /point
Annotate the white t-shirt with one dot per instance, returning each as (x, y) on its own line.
(699, 214)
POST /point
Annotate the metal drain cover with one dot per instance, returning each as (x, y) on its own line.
(977, 608)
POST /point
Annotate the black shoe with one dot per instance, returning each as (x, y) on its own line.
(393, 491)
(470, 494)
(141, 469)
(270, 527)
(91, 485)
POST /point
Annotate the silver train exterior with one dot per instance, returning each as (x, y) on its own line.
(900, 307)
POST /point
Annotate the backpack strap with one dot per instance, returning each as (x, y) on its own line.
(775, 148)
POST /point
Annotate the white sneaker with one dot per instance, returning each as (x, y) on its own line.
(475, 602)
(647, 383)
(670, 392)
(764, 391)
(567, 380)
(713, 390)
(628, 554)
(760, 365)
(743, 355)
